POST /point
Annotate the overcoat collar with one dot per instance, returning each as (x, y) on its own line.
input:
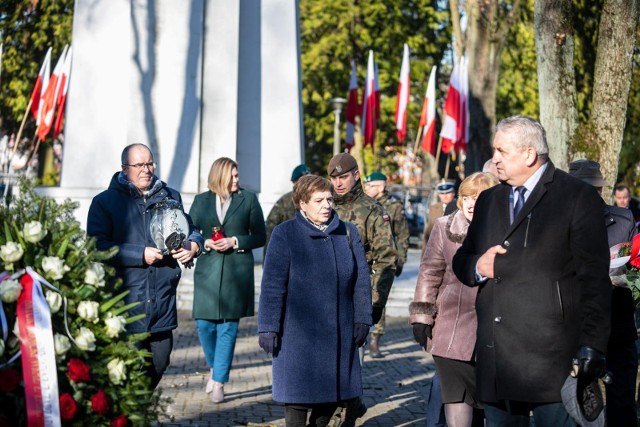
(237, 199)
(536, 195)
(314, 232)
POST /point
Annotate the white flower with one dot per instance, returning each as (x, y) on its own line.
(61, 344)
(117, 371)
(88, 310)
(54, 300)
(11, 252)
(33, 232)
(16, 329)
(10, 290)
(94, 275)
(54, 267)
(86, 340)
(114, 325)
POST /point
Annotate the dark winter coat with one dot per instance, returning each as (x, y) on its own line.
(314, 288)
(120, 216)
(440, 299)
(621, 228)
(223, 281)
(551, 292)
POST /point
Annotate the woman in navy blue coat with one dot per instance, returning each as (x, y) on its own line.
(315, 307)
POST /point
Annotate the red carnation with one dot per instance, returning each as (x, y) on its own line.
(100, 403)
(68, 407)
(9, 380)
(121, 421)
(78, 371)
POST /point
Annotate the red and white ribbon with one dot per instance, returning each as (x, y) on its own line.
(38, 353)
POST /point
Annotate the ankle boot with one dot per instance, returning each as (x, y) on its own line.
(374, 349)
(354, 409)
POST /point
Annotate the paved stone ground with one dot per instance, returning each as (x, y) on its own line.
(395, 387)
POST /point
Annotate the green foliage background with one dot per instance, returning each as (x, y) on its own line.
(27, 29)
(335, 31)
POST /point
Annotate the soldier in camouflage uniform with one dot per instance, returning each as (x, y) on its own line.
(284, 208)
(375, 187)
(374, 226)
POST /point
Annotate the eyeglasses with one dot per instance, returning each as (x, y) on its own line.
(138, 166)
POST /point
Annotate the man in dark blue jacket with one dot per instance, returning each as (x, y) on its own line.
(121, 216)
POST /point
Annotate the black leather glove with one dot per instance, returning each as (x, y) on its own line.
(588, 365)
(376, 314)
(421, 332)
(398, 270)
(268, 341)
(360, 332)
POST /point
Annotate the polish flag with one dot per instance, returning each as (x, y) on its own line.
(353, 108)
(49, 98)
(41, 83)
(428, 116)
(402, 100)
(62, 95)
(450, 128)
(369, 105)
(463, 126)
(376, 88)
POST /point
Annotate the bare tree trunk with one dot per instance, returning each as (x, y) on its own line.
(612, 80)
(556, 77)
(485, 37)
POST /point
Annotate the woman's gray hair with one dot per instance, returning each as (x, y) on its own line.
(527, 132)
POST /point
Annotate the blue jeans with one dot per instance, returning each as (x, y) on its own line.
(435, 407)
(544, 415)
(218, 340)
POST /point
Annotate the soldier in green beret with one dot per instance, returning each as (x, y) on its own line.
(374, 226)
(375, 185)
(284, 208)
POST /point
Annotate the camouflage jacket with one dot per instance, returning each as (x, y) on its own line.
(281, 211)
(374, 226)
(399, 224)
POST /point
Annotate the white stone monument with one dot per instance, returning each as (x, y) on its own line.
(195, 80)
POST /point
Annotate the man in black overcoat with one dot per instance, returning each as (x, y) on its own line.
(537, 247)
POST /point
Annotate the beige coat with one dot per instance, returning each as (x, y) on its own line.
(440, 298)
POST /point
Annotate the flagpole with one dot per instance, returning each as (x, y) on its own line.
(24, 120)
(446, 168)
(415, 146)
(437, 162)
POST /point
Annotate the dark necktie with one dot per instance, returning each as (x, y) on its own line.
(520, 202)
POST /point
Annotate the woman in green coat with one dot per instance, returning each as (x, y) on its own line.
(223, 278)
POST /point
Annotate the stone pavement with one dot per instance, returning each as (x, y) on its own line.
(395, 387)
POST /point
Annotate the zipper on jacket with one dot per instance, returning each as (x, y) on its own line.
(526, 233)
(560, 299)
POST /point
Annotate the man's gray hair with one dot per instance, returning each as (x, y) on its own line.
(528, 133)
(124, 157)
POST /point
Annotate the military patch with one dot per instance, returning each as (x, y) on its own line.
(386, 217)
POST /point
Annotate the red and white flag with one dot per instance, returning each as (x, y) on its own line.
(369, 105)
(353, 108)
(62, 95)
(376, 88)
(41, 83)
(428, 116)
(463, 128)
(454, 131)
(49, 98)
(402, 101)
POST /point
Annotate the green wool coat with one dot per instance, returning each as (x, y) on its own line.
(224, 282)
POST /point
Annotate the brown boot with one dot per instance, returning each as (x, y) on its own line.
(374, 350)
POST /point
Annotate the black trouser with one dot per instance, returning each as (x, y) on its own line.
(160, 345)
(622, 362)
(295, 415)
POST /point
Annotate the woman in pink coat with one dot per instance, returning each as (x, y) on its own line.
(443, 311)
